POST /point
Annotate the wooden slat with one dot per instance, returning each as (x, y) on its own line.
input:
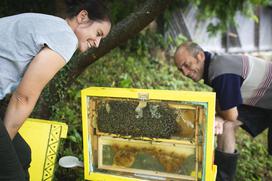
(147, 172)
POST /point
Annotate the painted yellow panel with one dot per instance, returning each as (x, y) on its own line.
(43, 137)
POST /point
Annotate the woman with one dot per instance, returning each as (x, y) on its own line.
(33, 48)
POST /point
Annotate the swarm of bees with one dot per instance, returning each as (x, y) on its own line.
(157, 120)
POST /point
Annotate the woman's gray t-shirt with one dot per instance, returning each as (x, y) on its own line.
(21, 39)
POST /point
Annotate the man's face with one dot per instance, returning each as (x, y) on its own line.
(192, 67)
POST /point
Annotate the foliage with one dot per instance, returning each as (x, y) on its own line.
(141, 64)
(225, 10)
(254, 164)
(121, 8)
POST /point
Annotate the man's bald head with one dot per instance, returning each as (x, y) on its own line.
(191, 47)
(189, 59)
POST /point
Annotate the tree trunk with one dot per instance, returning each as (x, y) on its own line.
(120, 33)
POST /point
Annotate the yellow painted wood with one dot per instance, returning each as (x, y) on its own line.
(43, 137)
(199, 98)
(153, 94)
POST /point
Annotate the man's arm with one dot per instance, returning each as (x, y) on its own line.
(42, 68)
(229, 114)
(223, 116)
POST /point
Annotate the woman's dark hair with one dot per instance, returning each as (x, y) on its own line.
(97, 11)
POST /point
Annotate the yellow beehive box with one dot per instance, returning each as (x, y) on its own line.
(142, 134)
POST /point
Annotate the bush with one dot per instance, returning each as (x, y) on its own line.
(254, 163)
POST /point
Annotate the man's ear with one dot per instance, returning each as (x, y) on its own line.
(82, 17)
(200, 56)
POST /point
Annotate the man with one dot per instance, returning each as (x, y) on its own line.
(243, 92)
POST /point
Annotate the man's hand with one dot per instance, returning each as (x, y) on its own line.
(218, 125)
